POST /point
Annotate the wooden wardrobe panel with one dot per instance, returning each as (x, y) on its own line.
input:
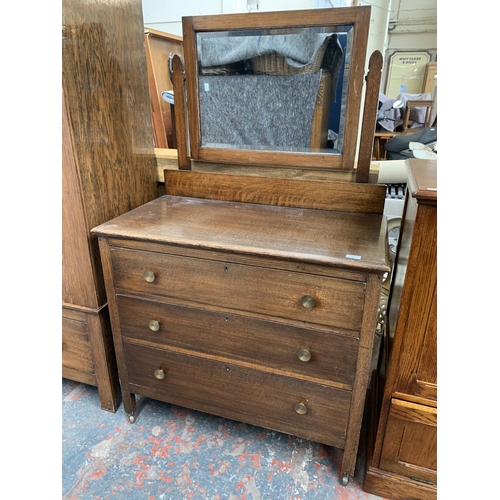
(78, 285)
(418, 308)
(105, 80)
(109, 167)
(402, 454)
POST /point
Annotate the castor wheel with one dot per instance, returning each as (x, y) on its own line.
(345, 480)
(131, 419)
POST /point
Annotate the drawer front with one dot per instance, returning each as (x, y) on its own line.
(251, 396)
(410, 443)
(322, 355)
(337, 302)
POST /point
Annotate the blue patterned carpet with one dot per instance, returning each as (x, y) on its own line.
(171, 453)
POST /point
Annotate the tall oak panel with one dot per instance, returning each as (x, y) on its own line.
(108, 168)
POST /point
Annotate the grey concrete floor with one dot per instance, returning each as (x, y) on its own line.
(172, 453)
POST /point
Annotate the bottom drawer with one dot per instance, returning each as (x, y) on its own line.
(247, 395)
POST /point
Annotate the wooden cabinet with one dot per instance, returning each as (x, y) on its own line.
(159, 46)
(403, 458)
(108, 168)
(258, 312)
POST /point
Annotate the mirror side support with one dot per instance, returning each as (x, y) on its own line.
(181, 133)
(369, 122)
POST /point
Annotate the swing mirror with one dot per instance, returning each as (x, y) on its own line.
(276, 88)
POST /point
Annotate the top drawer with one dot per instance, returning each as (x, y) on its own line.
(288, 295)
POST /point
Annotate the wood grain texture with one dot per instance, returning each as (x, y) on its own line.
(396, 487)
(289, 234)
(88, 352)
(243, 394)
(129, 401)
(286, 264)
(242, 338)
(103, 354)
(162, 45)
(167, 160)
(405, 446)
(78, 284)
(413, 412)
(423, 180)
(78, 375)
(426, 394)
(409, 294)
(410, 447)
(370, 306)
(268, 291)
(358, 17)
(105, 82)
(181, 130)
(369, 116)
(192, 92)
(425, 381)
(227, 293)
(336, 196)
(415, 303)
(76, 351)
(156, 109)
(108, 159)
(316, 161)
(267, 20)
(353, 107)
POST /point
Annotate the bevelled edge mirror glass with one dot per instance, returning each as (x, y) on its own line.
(276, 88)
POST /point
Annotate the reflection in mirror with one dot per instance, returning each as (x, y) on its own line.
(274, 90)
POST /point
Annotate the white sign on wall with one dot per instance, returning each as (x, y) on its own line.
(406, 73)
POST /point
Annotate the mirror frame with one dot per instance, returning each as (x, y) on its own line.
(358, 17)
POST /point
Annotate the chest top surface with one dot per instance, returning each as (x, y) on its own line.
(355, 241)
(422, 180)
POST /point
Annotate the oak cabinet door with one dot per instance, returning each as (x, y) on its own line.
(410, 443)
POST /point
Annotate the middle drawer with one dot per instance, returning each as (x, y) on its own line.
(284, 294)
(309, 352)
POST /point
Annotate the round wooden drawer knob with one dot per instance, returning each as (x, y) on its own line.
(300, 408)
(308, 302)
(304, 355)
(159, 374)
(154, 325)
(149, 276)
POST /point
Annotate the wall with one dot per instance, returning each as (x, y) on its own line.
(412, 27)
(395, 24)
(166, 16)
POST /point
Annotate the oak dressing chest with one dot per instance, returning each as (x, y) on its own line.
(254, 297)
(256, 312)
